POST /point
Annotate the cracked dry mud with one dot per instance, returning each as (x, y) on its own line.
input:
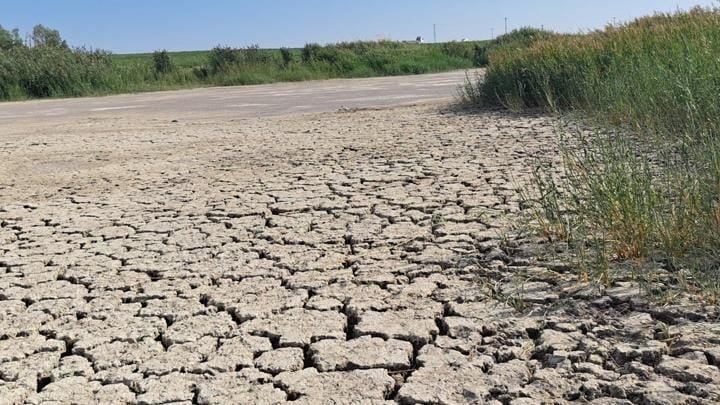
(324, 258)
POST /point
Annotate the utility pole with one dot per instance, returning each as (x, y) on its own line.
(492, 33)
(435, 33)
(506, 26)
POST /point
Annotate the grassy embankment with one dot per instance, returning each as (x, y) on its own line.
(52, 69)
(645, 187)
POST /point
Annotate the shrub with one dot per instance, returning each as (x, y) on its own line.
(287, 57)
(9, 39)
(523, 37)
(201, 72)
(222, 59)
(309, 52)
(53, 72)
(162, 62)
(253, 55)
(458, 49)
(481, 55)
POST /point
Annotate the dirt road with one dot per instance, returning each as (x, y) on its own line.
(368, 256)
(252, 101)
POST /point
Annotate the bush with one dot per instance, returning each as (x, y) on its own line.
(52, 72)
(253, 55)
(9, 39)
(481, 55)
(222, 59)
(522, 37)
(458, 49)
(309, 52)
(201, 72)
(162, 62)
(287, 57)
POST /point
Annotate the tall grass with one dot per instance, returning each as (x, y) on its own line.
(51, 68)
(646, 187)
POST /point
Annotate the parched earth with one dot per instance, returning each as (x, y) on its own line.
(333, 258)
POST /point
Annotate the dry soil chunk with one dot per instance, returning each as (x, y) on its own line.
(404, 325)
(180, 357)
(688, 371)
(283, 359)
(238, 352)
(298, 327)
(175, 387)
(191, 329)
(446, 384)
(114, 394)
(173, 309)
(72, 366)
(20, 347)
(240, 388)
(363, 353)
(118, 354)
(73, 390)
(351, 387)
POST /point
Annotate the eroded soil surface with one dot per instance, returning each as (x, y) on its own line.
(348, 257)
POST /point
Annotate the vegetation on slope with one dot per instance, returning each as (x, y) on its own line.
(647, 186)
(48, 67)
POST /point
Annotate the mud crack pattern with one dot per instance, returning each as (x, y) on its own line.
(328, 258)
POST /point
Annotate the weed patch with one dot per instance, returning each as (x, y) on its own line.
(645, 186)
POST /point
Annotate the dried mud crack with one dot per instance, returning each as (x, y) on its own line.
(319, 258)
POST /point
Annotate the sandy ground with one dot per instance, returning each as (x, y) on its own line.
(337, 257)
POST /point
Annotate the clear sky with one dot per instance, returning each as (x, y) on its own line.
(145, 25)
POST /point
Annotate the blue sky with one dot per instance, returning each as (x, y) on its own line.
(144, 25)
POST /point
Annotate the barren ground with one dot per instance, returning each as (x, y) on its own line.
(341, 257)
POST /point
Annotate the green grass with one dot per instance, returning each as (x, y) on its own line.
(188, 59)
(645, 187)
(46, 71)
